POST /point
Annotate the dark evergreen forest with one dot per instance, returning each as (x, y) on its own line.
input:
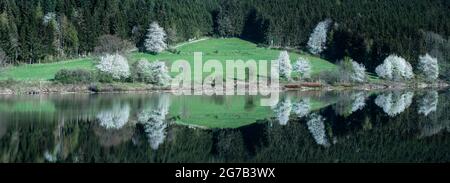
(366, 30)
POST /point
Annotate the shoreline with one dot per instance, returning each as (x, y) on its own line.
(48, 87)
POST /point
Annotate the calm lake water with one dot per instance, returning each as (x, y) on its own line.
(389, 126)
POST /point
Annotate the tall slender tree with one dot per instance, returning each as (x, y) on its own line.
(156, 39)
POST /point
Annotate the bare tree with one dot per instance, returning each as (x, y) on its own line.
(112, 44)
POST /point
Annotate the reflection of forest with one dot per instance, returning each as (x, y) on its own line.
(356, 128)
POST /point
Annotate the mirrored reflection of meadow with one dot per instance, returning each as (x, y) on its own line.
(351, 126)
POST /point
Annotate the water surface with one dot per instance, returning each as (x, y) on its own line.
(352, 126)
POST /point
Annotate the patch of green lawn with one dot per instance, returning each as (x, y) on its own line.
(230, 49)
(38, 72)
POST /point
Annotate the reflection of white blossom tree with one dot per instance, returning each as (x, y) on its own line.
(316, 126)
(359, 101)
(394, 103)
(433, 127)
(428, 103)
(114, 118)
(282, 110)
(350, 103)
(302, 108)
(154, 121)
(428, 67)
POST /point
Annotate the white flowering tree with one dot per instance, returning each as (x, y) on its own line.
(114, 65)
(394, 103)
(302, 67)
(358, 72)
(48, 18)
(156, 39)
(142, 71)
(318, 38)
(302, 108)
(154, 121)
(428, 67)
(284, 64)
(283, 110)
(159, 73)
(114, 118)
(316, 125)
(395, 68)
(428, 103)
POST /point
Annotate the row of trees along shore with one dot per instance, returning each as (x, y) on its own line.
(394, 68)
(42, 31)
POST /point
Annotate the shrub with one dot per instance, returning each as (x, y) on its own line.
(8, 83)
(351, 71)
(77, 76)
(104, 77)
(329, 77)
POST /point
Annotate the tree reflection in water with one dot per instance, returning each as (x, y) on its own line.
(154, 121)
(428, 103)
(423, 130)
(394, 103)
(283, 110)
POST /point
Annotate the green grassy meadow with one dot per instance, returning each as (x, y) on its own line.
(218, 49)
(39, 72)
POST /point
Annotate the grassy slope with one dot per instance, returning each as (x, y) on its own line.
(220, 49)
(230, 49)
(44, 71)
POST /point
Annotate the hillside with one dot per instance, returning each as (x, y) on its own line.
(220, 49)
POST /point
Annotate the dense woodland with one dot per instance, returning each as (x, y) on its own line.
(366, 30)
